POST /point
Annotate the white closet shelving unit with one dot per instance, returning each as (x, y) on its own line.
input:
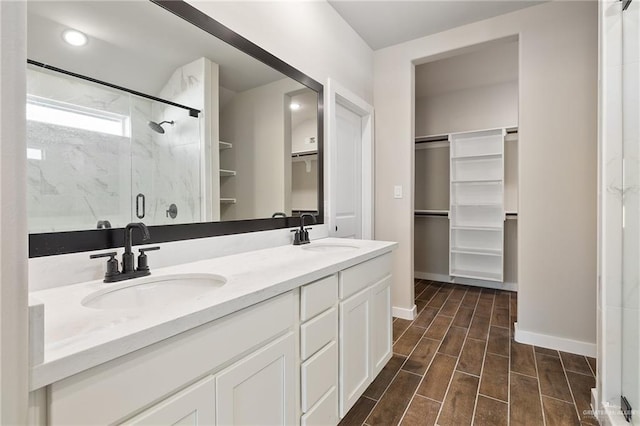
(476, 211)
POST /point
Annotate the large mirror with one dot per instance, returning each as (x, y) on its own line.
(136, 112)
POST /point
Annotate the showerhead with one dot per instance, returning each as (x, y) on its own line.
(157, 127)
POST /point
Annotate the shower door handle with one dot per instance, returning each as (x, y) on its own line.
(140, 202)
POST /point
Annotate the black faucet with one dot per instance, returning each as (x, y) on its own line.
(302, 234)
(128, 261)
(129, 269)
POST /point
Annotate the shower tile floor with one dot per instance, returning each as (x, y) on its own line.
(458, 364)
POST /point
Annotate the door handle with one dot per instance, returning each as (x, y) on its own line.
(140, 212)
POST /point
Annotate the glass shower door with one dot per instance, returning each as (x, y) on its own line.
(165, 164)
(631, 209)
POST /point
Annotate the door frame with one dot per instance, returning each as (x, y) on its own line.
(339, 95)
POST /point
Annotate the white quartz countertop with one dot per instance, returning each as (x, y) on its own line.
(77, 337)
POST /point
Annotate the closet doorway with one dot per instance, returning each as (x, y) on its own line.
(466, 166)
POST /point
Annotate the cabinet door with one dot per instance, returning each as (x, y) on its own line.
(355, 344)
(259, 389)
(192, 406)
(381, 328)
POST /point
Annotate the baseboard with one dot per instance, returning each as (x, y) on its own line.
(466, 281)
(408, 314)
(610, 415)
(555, 342)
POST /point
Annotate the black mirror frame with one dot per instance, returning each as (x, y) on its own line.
(54, 243)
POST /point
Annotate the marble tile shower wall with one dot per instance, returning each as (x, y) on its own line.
(85, 176)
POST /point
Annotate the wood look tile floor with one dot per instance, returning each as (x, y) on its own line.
(458, 364)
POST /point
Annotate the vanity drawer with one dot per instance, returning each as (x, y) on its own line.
(319, 374)
(318, 332)
(325, 412)
(357, 277)
(318, 297)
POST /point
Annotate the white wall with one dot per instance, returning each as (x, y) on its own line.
(308, 35)
(13, 217)
(557, 197)
(465, 110)
(255, 122)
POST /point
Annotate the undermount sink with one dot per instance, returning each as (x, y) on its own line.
(330, 248)
(154, 292)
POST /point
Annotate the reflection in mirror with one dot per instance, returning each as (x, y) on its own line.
(107, 145)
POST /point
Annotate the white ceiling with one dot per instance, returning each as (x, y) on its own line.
(383, 23)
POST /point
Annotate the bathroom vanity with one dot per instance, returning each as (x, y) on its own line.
(286, 335)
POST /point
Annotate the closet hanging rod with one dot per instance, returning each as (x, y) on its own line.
(427, 139)
(445, 138)
(437, 213)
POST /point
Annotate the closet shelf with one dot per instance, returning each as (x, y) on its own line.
(224, 145)
(476, 251)
(489, 156)
(225, 173)
(477, 228)
(488, 276)
(477, 205)
(477, 181)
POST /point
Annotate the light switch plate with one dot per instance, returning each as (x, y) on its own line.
(397, 191)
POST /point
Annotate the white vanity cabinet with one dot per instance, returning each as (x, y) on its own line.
(246, 357)
(255, 390)
(319, 352)
(191, 406)
(259, 389)
(365, 326)
(302, 357)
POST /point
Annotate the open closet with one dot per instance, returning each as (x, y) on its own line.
(466, 166)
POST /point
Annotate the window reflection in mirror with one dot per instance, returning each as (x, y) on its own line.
(97, 153)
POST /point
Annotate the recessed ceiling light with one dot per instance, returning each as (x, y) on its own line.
(294, 106)
(74, 38)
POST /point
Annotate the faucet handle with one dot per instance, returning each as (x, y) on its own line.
(112, 264)
(110, 254)
(142, 250)
(143, 263)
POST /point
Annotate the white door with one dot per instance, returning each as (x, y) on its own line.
(259, 389)
(194, 406)
(348, 219)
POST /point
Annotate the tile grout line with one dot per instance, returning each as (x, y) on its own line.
(458, 360)
(431, 362)
(491, 397)
(484, 357)
(535, 363)
(566, 378)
